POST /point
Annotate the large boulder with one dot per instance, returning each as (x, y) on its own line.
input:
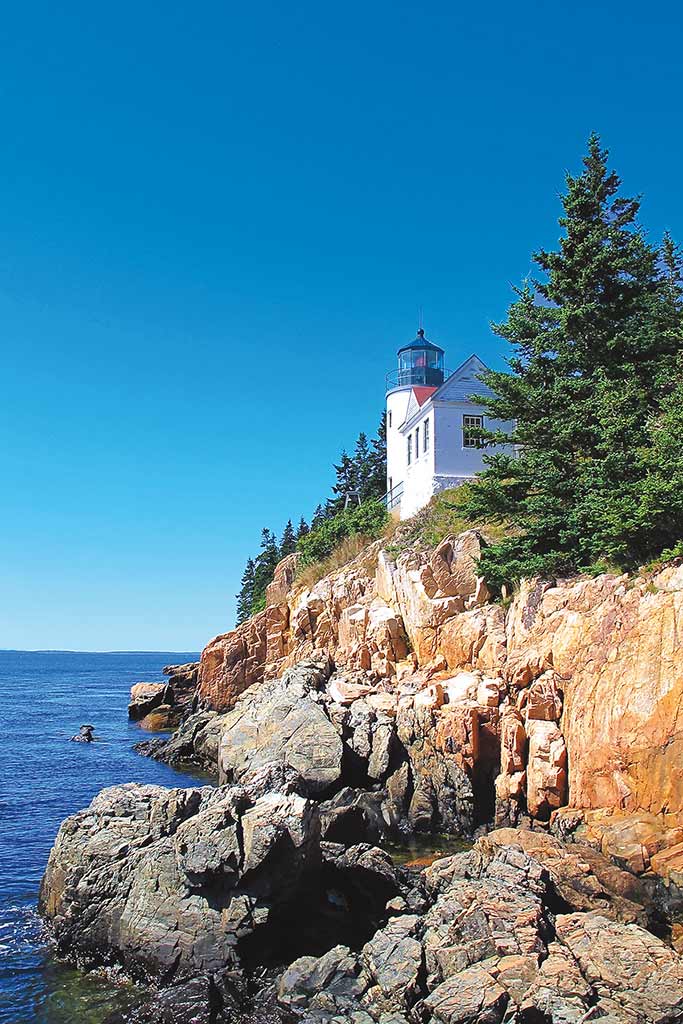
(170, 882)
(283, 721)
(144, 698)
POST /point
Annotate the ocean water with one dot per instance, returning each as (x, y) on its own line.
(44, 698)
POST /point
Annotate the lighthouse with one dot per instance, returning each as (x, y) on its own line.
(433, 417)
(421, 367)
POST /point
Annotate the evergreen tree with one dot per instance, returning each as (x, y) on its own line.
(246, 595)
(345, 474)
(660, 512)
(593, 344)
(319, 517)
(362, 466)
(288, 541)
(377, 476)
(302, 529)
(264, 568)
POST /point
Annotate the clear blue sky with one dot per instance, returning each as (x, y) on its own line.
(218, 223)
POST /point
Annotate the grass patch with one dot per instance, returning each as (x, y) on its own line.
(347, 551)
(443, 516)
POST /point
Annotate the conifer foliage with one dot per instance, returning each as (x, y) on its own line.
(593, 389)
(364, 474)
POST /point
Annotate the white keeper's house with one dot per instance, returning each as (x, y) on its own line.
(431, 425)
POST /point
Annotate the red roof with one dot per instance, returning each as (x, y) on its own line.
(422, 394)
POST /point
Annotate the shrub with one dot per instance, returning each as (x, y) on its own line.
(367, 520)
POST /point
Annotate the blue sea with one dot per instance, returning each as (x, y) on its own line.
(44, 698)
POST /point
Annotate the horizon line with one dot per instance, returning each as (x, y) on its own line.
(59, 650)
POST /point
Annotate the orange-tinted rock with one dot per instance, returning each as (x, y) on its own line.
(546, 783)
(162, 718)
(454, 564)
(512, 743)
(232, 662)
(144, 697)
(616, 644)
(669, 865)
(542, 701)
(343, 692)
(283, 579)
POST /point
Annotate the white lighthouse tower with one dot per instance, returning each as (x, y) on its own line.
(420, 372)
(435, 422)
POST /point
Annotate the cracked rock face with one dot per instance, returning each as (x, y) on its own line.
(167, 882)
(278, 722)
(498, 942)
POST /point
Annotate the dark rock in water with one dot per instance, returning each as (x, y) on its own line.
(226, 998)
(177, 697)
(145, 697)
(84, 735)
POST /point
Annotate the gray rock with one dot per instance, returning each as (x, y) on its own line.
(194, 744)
(337, 976)
(394, 959)
(383, 745)
(468, 997)
(168, 882)
(353, 816)
(490, 945)
(279, 721)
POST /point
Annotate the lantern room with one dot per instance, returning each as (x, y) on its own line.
(419, 363)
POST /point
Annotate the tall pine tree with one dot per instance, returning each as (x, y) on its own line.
(266, 560)
(362, 466)
(302, 529)
(288, 540)
(377, 475)
(345, 481)
(245, 598)
(588, 364)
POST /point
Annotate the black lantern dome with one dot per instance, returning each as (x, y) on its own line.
(419, 363)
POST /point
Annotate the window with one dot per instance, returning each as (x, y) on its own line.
(410, 448)
(417, 442)
(390, 417)
(391, 485)
(470, 426)
(425, 436)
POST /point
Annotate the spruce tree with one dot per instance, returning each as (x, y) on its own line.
(589, 358)
(288, 540)
(319, 517)
(376, 485)
(302, 529)
(345, 481)
(264, 568)
(362, 466)
(245, 597)
(660, 499)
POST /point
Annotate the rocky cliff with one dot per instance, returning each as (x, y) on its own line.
(395, 697)
(578, 687)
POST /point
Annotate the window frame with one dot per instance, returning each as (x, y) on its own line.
(410, 449)
(425, 436)
(472, 441)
